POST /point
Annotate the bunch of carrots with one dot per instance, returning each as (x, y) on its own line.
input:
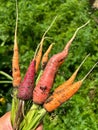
(31, 96)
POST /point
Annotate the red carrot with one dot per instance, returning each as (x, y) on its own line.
(56, 99)
(72, 78)
(42, 89)
(15, 61)
(26, 87)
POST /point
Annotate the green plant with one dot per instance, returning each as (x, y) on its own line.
(34, 17)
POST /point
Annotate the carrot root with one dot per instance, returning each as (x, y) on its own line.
(15, 61)
(42, 89)
(72, 78)
(57, 99)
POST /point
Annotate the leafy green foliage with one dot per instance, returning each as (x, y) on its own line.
(80, 112)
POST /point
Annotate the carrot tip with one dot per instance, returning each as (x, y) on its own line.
(89, 71)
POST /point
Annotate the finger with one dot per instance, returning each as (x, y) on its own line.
(5, 123)
(40, 127)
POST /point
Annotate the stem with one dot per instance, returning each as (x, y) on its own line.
(40, 73)
(14, 108)
(5, 82)
(35, 120)
(7, 75)
(28, 118)
(39, 118)
(18, 115)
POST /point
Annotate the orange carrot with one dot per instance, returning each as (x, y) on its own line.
(44, 61)
(15, 114)
(55, 100)
(72, 78)
(42, 89)
(38, 56)
(39, 53)
(15, 61)
(46, 56)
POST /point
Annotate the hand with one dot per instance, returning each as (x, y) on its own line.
(5, 123)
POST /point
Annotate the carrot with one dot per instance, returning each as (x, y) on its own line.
(72, 78)
(24, 92)
(15, 60)
(44, 61)
(38, 56)
(16, 77)
(42, 89)
(26, 87)
(39, 53)
(46, 56)
(55, 100)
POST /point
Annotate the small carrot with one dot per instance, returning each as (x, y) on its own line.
(46, 56)
(39, 53)
(44, 61)
(15, 60)
(38, 56)
(26, 87)
(55, 100)
(42, 89)
(72, 78)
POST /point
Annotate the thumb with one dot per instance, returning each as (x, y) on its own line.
(5, 123)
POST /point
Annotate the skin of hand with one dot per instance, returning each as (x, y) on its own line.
(5, 123)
